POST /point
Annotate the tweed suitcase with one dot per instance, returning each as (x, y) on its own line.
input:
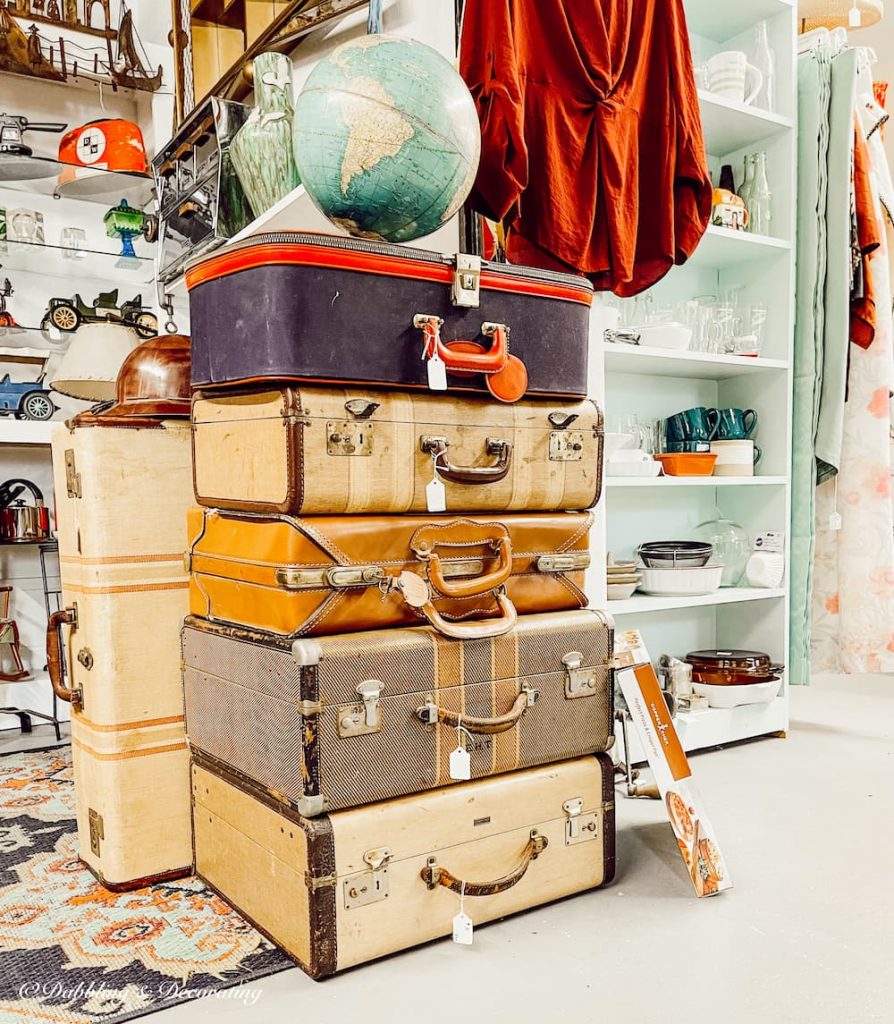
(323, 308)
(122, 494)
(346, 888)
(349, 720)
(318, 451)
(344, 574)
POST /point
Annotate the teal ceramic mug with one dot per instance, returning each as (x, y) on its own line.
(732, 424)
(691, 425)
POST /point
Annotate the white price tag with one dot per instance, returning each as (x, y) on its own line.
(437, 373)
(835, 521)
(436, 496)
(460, 765)
(462, 929)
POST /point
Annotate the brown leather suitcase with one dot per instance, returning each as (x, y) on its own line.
(323, 308)
(349, 720)
(317, 451)
(343, 574)
(346, 888)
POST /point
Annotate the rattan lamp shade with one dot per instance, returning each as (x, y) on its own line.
(834, 13)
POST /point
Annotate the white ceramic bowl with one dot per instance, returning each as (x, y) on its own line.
(650, 468)
(620, 591)
(681, 582)
(615, 442)
(736, 696)
(674, 336)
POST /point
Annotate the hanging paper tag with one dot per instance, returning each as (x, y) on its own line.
(436, 495)
(462, 929)
(414, 589)
(437, 373)
(460, 765)
(835, 521)
(854, 17)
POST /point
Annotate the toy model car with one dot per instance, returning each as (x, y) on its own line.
(68, 314)
(26, 400)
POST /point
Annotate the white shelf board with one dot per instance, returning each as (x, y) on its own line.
(728, 126)
(725, 247)
(721, 21)
(664, 482)
(25, 432)
(643, 604)
(662, 362)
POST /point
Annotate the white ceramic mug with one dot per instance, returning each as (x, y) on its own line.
(729, 74)
(735, 458)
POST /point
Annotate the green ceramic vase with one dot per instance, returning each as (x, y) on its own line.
(262, 148)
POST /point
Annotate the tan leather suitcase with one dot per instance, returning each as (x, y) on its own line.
(343, 574)
(317, 451)
(348, 720)
(346, 888)
(122, 495)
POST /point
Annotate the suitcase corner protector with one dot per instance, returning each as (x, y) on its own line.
(311, 806)
(307, 652)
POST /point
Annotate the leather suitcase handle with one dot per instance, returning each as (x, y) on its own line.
(476, 585)
(433, 875)
(481, 630)
(431, 713)
(437, 447)
(63, 617)
(491, 361)
(463, 533)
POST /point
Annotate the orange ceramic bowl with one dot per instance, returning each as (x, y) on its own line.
(687, 463)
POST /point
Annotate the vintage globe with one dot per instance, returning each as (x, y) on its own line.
(386, 138)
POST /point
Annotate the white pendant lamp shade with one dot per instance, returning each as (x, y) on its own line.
(837, 13)
(89, 369)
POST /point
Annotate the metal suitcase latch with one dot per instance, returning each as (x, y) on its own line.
(369, 886)
(365, 718)
(338, 578)
(466, 281)
(580, 827)
(566, 446)
(349, 437)
(580, 680)
(564, 563)
(97, 830)
(72, 476)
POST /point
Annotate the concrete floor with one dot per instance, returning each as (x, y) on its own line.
(807, 827)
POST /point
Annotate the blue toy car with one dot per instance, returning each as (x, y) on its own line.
(26, 400)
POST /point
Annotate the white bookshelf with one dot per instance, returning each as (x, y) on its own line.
(655, 383)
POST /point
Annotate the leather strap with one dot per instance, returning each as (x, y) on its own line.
(479, 726)
(471, 474)
(480, 630)
(433, 875)
(63, 617)
(491, 360)
(463, 533)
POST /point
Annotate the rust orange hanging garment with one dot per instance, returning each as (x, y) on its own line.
(592, 149)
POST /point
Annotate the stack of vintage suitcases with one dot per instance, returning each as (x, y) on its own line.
(396, 699)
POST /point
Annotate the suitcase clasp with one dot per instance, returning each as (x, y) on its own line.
(369, 886)
(564, 563)
(365, 718)
(579, 827)
(466, 289)
(580, 680)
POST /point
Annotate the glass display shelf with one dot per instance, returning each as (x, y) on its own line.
(46, 176)
(52, 260)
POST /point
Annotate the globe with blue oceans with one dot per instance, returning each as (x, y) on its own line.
(386, 138)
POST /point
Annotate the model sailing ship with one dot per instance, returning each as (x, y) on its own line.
(25, 50)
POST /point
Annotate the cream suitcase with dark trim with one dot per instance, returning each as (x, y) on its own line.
(347, 888)
(121, 500)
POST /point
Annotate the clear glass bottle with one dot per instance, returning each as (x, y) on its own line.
(746, 189)
(760, 210)
(764, 59)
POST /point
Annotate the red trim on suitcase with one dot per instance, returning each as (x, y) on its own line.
(269, 254)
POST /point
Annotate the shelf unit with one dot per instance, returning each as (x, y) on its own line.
(654, 383)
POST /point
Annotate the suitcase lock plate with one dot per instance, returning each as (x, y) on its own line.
(580, 680)
(580, 827)
(466, 281)
(369, 886)
(72, 476)
(349, 437)
(566, 445)
(97, 831)
(568, 561)
(365, 718)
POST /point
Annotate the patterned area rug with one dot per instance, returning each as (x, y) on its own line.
(73, 953)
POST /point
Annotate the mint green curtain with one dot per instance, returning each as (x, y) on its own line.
(826, 96)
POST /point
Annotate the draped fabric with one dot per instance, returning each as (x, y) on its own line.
(853, 594)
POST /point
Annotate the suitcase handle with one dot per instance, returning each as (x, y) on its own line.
(431, 713)
(491, 360)
(433, 875)
(437, 447)
(427, 539)
(63, 617)
(481, 630)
